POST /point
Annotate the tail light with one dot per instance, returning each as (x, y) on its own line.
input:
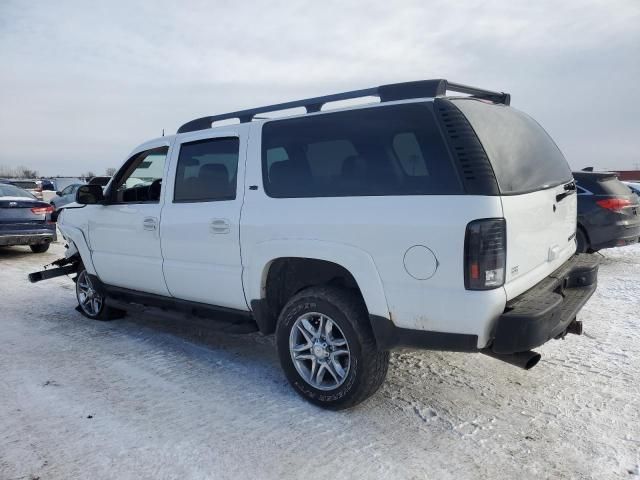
(42, 210)
(614, 204)
(485, 252)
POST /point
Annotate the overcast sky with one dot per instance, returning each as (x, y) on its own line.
(82, 83)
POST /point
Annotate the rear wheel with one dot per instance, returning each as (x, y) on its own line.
(327, 349)
(91, 302)
(581, 241)
(39, 248)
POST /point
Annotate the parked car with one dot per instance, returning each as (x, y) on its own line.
(66, 196)
(103, 181)
(608, 212)
(24, 220)
(424, 221)
(34, 187)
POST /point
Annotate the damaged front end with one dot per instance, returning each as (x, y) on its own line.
(63, 266)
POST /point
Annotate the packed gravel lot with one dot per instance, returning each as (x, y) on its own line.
(155, 397)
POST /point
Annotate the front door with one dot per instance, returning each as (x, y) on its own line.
(125, 232)
(201, 216)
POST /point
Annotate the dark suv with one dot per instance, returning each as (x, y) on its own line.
(608, 212)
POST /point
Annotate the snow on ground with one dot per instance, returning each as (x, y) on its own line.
(144, 397)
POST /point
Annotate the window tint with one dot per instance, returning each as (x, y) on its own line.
(523, 156)
(390, 150)
(140, 179)
(7, 190)
(207, 170)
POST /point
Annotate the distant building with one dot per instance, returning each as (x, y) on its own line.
(628, 175)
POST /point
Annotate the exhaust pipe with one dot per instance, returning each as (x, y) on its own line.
(526, 360)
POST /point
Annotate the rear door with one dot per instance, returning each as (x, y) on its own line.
(537, 191)
(200, 225)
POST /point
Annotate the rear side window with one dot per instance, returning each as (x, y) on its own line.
(207, 170)
(522, 154)
(613, 186)
(390, 150)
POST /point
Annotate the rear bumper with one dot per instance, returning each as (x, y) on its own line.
(545, 311)
(27, 237)
(617, 236)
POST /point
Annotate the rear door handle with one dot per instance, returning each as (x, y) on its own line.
(219, 226)
(150, 223)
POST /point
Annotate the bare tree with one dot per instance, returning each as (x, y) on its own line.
(18, 172)
(110, 172)
(88, 175)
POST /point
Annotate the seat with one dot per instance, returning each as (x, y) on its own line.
(289, 178)
(213, 182)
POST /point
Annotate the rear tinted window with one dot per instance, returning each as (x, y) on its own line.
(27, 185)
(602, 185)
(12, 191)
(523, 156)
(391, 150)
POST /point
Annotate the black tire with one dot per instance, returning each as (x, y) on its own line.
(103, 312)
(368, 366)
(581, 241)
(39, 248)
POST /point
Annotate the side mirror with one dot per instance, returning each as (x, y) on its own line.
(89, 195)
(59, 194)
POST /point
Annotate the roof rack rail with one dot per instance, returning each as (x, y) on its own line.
(387, 93)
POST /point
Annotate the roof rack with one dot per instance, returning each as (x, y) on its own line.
(387, 93)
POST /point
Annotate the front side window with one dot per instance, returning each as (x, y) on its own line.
(68, 190)
(207, 170)
(390, 150)
(140, 180)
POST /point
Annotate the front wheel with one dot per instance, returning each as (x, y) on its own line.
(91, 302)
(327, 348)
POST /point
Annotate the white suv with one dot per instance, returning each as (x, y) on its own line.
(421, 221)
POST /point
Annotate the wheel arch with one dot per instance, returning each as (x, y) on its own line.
(75, 236)
(330, 258)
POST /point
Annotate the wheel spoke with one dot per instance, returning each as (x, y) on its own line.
(309, 329)
(312, 372)
(305, 356)
(331, 368)
(320, 375)
(320, 329)
(302, 347)
(328, 329)
(305, 333)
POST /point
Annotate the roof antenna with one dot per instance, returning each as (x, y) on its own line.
(163, 132)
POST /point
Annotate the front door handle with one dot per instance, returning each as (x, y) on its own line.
(150, 223)
(219, 226)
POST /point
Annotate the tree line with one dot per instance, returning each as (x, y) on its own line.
(26, 172)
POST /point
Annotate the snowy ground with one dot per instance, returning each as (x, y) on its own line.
(147, 398)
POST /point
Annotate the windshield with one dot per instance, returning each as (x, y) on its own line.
(12, 191)
(522, 154)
